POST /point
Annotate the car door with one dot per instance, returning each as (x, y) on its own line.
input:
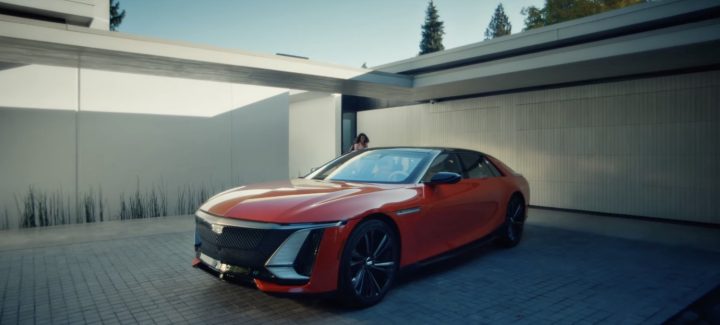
(484, 180)
(450, 210)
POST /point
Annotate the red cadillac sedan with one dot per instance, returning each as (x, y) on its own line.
(350, 225)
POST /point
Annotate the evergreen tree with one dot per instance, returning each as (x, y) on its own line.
(499, 24)
(432, 31)
(535, 17)
(557, 11)
(116, 16)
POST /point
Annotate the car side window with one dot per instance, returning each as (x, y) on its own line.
(445, 162)
(476, 166)
(492, 167)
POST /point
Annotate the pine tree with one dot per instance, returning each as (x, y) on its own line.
(557, 11)
(116, 16)
(535, 17)
(499, 24)
(432, 31)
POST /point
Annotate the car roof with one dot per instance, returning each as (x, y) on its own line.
(444, 149)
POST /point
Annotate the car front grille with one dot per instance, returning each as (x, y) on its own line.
(232, 237)
(248, 247)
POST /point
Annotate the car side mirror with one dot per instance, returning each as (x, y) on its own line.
(444, 178)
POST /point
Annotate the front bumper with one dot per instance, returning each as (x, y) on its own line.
(276, 257)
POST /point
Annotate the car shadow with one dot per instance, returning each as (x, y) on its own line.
(329, 302)
(407, 276)
(444, 263)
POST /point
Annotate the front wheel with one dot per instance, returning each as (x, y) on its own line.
(369, 263)
(512, 229)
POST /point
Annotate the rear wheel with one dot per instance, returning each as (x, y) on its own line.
(512, 229)
(369, 263)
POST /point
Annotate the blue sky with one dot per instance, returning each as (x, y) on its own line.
(340, 31)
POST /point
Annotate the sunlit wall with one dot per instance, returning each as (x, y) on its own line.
(86, 145)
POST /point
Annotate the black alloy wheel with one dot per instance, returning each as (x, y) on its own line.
(514, 222)
(369, 263)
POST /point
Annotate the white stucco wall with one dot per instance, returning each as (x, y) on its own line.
(647, 147)
(260, 141)
(39, 86)
(107, 91)
(314, 131)
(91, 13)
(132, 135)
(38, 151)
(101, 14)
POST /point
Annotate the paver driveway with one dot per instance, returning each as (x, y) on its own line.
(553, 276)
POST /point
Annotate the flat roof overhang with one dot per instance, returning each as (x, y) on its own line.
(621, 22)
(24, 41)
(661, 37)
(686, 47)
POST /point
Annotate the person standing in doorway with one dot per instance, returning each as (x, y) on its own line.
(361, 142)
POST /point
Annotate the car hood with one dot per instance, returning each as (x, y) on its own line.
(306, 200)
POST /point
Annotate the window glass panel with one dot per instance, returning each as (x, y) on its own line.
(476, 166)
(492, 167)
(376, 166)
(443, 163)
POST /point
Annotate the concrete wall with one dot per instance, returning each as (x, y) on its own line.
(314, 131)
(260, 141)
(38, 152)
(647, 147)
(97, 161)
(39, 86)
(91, 13)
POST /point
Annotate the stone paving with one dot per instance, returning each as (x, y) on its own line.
(553, 276)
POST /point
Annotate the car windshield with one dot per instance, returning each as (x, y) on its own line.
(377, 166)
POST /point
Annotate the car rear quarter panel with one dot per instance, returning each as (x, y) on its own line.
(514, 179)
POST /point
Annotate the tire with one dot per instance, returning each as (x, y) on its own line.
(369, 264)
(512, 230)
